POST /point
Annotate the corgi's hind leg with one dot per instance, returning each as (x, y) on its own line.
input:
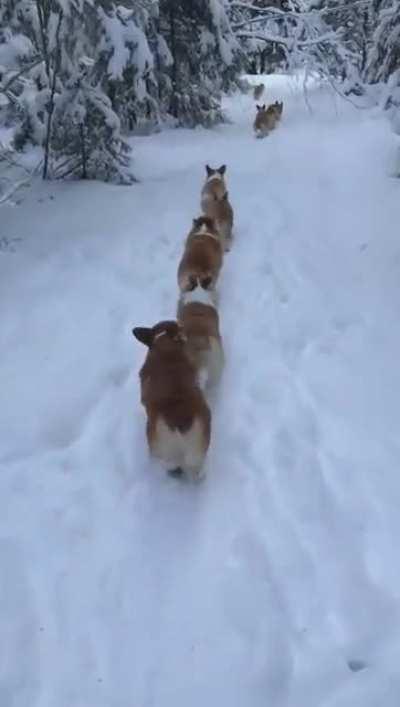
(228, 242)
(226, 235)
(164, 445)
(197, 473)
(203, 377)
(196, 445)
(216, 363)
(194, 466)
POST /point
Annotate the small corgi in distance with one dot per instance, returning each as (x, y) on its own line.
(215, 203)
(258, 91)
(198, 316)
(178, 417)
(267, 119)
(202, 256)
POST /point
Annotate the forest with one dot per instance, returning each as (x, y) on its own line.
(77, 77)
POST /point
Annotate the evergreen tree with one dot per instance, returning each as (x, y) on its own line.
(352, 22)
(383, 64)
(253, 21)
(84, 138)
(205, 58)
(77, 76)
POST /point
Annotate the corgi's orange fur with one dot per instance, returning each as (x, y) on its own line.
(258, 91)
(199, 319)
(215, 203)
(267, 118)
(178, 417)
(214, 187)
(202, 257)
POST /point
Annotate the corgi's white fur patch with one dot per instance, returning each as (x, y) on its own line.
(215, 175)
(203, 378)
(216, 361)
(199, 294)
(180, 449)
(160, 333)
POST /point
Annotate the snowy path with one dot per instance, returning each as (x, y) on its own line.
(277, 581)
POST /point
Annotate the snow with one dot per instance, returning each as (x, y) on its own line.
(276, 581)
(14, 47)
(122, 35)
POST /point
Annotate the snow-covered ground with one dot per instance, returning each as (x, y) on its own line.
(276, 582)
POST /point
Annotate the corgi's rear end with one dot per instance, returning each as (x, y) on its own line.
(178, 417)
(214, 187)
(198, 316)
(215, 204)
(203, 255)
(181, 452)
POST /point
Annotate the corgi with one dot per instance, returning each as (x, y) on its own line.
(202, 256)
(178, 417)
(214, 187)
(198, 316)
(258, 91)
(215, 204)
(267, 119)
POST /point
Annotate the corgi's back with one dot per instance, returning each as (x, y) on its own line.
(178, 417)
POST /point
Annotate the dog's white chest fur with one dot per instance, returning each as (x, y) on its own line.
(200, 295)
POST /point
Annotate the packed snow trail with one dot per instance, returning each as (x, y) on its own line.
(276, 581)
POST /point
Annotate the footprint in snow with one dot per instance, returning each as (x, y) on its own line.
(254, 608)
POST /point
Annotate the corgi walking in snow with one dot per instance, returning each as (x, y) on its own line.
(267, 119)
(202, 258)
(215, 203)
(199, 319)
(258, 91)
(178, 417)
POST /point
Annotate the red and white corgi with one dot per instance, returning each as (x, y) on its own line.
(199, 319)
(178, 417)
(202, 258)
(267, 118)
(215, 203)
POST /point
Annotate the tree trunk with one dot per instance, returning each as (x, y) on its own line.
(50, 110)
(174, 77)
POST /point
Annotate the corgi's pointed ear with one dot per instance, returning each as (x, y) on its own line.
(209, 170)
(263, 106)
(222, 169)
(143, 334)
(258, 107)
